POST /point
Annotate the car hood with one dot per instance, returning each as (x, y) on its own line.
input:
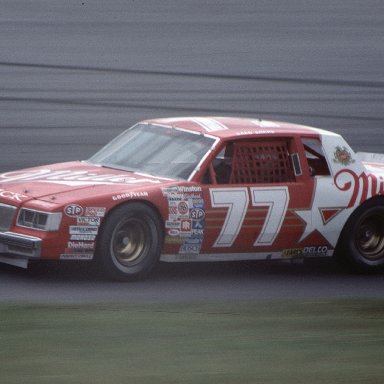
(49, 182)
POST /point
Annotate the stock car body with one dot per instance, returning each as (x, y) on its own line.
(199, 189)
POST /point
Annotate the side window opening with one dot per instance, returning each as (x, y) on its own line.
(314, 153)
(262, 161)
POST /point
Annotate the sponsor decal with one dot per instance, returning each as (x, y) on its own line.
(190, 248)
(88, 220)
(197, 214)
(95, 211)
(74, 210)
(83, 237)
(174, 232)
(311, 251)
(12, 195)
(72, 178)
(186, 217)
(76, 256)
(255, 132)
(130, 195)
(172, 224)
(210, 125)
(189, 189)
(174, 239)
(172, 210)
(362, 186)
(198, 232)
(342, 156)
(186, 226)
(181, 189)
(175, 197)
(293, 252)
(80, 245)
(183, 208)
(198, 224)
(169, 190)
(83, 230)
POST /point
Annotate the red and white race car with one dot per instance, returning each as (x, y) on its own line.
(199, 189)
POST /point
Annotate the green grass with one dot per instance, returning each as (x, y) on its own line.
(287, 342)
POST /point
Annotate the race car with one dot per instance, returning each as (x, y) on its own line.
(191, 189)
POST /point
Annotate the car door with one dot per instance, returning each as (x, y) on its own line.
(252, 192)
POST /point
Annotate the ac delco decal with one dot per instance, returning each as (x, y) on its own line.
(314, 251)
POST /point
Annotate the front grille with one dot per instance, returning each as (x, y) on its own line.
(7, 214)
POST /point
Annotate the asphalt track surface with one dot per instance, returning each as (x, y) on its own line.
(74, 74)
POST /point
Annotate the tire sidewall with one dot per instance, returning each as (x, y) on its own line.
(105, 258)
(348, 251)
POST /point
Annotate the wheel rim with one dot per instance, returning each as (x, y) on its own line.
(129, 243)
(370, 238)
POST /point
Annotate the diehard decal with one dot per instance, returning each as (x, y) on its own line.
(80, 245)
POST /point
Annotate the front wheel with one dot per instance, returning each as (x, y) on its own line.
(130, 242)
(361, 244)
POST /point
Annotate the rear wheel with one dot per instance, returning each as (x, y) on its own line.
(130, 242)
(362, 241)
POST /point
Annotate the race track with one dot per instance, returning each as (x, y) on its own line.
(74, 74)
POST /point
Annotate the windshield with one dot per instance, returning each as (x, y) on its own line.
(155, 150)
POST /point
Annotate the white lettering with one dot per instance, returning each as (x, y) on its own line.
(12, 195)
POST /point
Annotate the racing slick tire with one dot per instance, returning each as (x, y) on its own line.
(361, 245)
(129, 243)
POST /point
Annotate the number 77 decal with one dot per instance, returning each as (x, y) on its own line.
(236, 200)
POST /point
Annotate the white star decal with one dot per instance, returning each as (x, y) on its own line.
(328, 212)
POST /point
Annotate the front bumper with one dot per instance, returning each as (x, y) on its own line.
(17, 249)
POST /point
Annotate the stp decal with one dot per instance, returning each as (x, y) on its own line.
(73, 210)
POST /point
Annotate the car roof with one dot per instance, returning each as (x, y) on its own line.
(233, 127)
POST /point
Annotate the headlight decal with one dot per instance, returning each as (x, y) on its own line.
(42, 221)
